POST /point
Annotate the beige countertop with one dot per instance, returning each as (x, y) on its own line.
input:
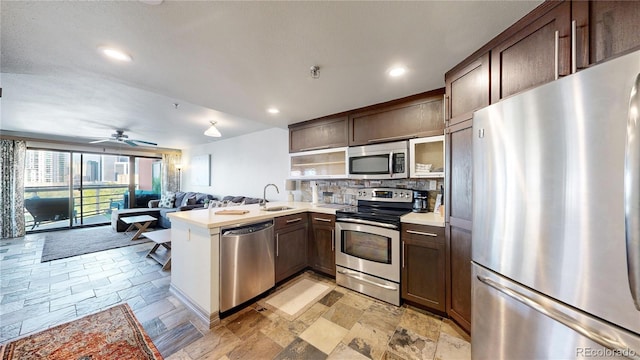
(431, 219)
(207, 218)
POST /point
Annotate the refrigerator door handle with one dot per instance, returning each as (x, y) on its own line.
(632, 193)
(562, 318)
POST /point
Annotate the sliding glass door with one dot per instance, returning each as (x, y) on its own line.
(99, 184)
(68, 189)
(46, 190)
(147, 181)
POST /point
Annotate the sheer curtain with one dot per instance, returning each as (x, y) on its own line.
(12, 158)
(170, 174)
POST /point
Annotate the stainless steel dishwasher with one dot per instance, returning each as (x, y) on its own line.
(247, 263)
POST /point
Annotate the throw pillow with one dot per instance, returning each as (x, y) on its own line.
(201, 198)
(167, 200)
(186, 200)
(180, 195)
(215, 203)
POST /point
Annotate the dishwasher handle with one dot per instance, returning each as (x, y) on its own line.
(245, 230)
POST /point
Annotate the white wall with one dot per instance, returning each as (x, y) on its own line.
(243, 165)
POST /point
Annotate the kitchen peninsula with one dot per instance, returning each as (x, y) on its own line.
(196, 235)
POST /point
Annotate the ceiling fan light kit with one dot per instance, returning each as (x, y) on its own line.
(212, 130)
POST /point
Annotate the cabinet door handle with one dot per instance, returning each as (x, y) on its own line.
(444, 108)
(293, 220)
(557, 55)
(277, 244)
(404, 253)
(422, 233)
(322, 219)
(333, 240)
(315, 148)
(574, 30)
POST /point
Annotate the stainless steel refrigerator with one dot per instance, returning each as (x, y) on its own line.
(556, 219)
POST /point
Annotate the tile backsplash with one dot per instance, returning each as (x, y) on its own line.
(344, 191)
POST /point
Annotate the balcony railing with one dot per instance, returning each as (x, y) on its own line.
(92, 204)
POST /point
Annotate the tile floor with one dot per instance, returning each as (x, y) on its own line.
(342, 325)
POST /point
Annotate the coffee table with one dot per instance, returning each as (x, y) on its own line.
(141, 222)
(160, 238)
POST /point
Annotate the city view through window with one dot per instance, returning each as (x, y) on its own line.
(66, 189)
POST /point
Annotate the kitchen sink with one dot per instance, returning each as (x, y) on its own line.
(277, 208)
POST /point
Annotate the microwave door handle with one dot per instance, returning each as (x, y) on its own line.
(632, 193)
(391, 163)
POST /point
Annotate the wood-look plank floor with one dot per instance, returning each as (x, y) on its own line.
(342, 325)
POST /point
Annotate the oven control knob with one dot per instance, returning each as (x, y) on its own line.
(395, 194)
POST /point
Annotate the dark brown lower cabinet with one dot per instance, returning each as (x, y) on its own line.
(290, 244)
(322, 255)
(423, 266)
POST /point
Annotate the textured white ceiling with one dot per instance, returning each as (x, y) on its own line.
(224, 61)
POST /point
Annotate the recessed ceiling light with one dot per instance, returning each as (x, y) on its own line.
(115, 54)
(397, 71)
(273, 110)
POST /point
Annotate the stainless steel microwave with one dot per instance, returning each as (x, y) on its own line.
(380, 161)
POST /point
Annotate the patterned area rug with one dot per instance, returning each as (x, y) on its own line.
(295, 299)
(68, 243)
(114, 333)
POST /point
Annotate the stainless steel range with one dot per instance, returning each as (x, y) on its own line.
(368, 243)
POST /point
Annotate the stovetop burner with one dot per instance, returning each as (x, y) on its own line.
(384, 205)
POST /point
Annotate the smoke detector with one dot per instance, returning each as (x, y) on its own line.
(315, 72)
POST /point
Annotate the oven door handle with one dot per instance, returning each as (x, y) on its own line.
(367, 222)
(354, 276)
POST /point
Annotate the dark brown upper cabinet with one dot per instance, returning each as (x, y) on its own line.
(416, 116)
(536, 54)
(319, 134)
(467, 88)
(604, 29)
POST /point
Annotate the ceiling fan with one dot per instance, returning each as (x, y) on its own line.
(120, 137)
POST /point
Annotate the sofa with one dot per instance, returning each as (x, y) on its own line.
(178, 201)
(183, 201)
(172, 202)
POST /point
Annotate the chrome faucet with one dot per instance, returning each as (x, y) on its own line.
(264, 195)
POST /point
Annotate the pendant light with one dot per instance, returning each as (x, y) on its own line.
(213, 131)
